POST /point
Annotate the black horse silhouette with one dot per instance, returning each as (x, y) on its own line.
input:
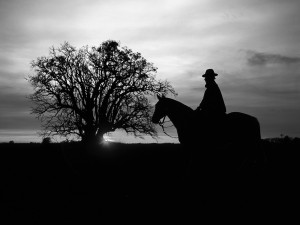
(235, 127)
(210, 161)
(237, 132)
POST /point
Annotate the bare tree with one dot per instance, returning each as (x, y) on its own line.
(91, 91)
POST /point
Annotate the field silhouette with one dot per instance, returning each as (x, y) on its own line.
(142, 182)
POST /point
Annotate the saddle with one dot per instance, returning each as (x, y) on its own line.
(211, 124)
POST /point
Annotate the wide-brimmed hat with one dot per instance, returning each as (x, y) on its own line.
(210, 73)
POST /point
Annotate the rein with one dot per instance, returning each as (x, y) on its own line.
(161, 123)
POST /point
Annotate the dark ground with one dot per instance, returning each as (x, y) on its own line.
(65, 183)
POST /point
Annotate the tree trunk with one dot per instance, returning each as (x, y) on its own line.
(93, 139)
(90, 137)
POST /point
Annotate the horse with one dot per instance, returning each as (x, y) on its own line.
(237, 135)
(220, 162)
(236, 125)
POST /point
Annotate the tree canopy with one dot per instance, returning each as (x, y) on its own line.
(91, 91)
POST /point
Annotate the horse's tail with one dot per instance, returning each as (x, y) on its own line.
(257, 129)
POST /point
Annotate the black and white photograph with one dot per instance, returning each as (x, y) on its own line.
(149, 111)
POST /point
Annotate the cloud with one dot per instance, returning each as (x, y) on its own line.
(261, 58)
(15, 110)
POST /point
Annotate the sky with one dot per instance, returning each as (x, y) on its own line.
(252, 44)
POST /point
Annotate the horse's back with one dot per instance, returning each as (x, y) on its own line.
(243, 125)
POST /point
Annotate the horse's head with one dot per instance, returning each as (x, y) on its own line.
(160, 109)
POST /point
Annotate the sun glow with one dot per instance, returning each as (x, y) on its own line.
(106, 140)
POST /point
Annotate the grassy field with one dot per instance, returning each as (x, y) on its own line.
(126, 182)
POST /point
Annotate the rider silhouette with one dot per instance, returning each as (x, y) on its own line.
(212, 109)
(212, 102)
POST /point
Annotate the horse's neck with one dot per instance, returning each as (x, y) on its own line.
(179, 114)
(175, 119)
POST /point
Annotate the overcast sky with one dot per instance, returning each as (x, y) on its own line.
(252, 44)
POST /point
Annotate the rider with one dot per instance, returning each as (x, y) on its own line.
(212, 107)
(212, 102)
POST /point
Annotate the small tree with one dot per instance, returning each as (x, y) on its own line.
(46, 141)
(92, 91)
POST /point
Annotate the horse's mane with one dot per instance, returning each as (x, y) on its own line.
(180, 106)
